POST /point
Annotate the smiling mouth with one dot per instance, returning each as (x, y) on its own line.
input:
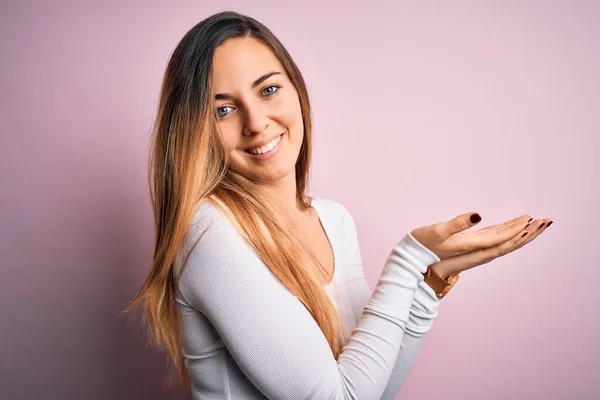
(266, 149)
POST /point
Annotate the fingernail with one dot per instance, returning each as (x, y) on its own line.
(530, 220)
(542, 225)
(524, 234)
(549, 223)
(475, 218)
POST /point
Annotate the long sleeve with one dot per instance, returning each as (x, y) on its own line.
(273, 338)
(423, 310)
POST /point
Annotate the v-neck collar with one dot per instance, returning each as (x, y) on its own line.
(321, 214)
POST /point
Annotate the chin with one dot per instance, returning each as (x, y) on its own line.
(271, 173)
(275, 170)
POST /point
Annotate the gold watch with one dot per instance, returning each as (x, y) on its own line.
(439, 285)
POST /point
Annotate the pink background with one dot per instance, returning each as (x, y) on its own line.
(423, 111)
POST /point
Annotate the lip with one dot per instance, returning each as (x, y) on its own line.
(270, 154)
(262, 143)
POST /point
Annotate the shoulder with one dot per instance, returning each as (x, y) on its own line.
(329, 207)
(207, 215)
(210, 233)
(335, 211)
(207, 221)
(213, 256)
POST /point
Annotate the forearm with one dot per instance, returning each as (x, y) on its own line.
(423, 311)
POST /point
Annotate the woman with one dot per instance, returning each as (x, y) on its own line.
(257, 290)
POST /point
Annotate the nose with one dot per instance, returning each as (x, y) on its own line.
(256, 120)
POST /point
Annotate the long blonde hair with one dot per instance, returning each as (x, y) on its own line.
(188, 164)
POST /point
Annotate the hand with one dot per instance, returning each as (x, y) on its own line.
(447, 239)
(457, 264)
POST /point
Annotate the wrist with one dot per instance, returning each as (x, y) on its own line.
(439, 282)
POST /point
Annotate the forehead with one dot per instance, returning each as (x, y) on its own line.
(240, 61)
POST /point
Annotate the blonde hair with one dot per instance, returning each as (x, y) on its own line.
(188, 164)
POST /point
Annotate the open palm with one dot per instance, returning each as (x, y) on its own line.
(459, 249)
(454, 265)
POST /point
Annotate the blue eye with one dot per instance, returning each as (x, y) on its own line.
(222, 114)
(223, 111)
(272, 91)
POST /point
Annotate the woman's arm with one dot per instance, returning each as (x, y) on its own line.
(275, 340)
(423, 310)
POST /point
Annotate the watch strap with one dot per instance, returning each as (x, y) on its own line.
(439, 285)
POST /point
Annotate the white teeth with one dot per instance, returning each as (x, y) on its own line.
(266, 148)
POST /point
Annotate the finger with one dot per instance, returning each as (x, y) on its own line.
(522, 222)
(460, 223)
(490, 238)
(467, 261)
(533, 231)
(497, 226)
(507, 224)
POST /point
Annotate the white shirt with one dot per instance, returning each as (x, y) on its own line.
(245, 336)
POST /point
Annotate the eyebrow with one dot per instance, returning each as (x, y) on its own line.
(227, 96)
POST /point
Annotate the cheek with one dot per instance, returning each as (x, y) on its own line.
(230, 138)
(292, 116)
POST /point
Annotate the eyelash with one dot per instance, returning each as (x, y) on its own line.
(268, 95)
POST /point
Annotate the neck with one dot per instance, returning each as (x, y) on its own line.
(284, 193)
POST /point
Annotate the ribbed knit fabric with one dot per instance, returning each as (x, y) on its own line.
(245, 336)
